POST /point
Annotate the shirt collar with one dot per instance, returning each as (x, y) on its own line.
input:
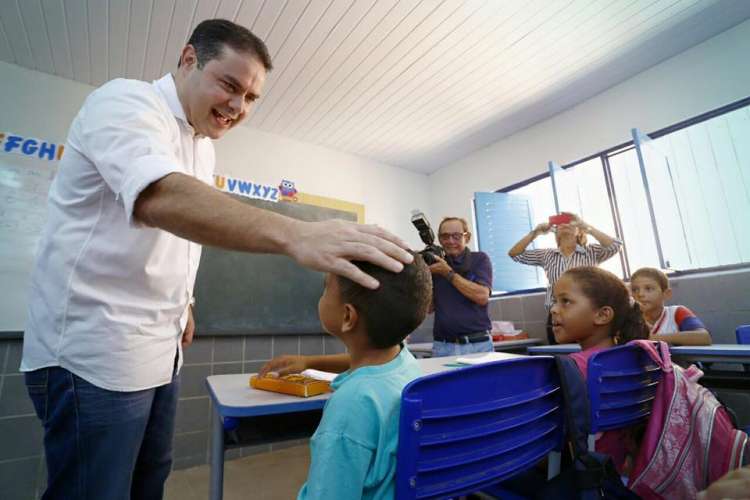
(579, 249)
(167, 88)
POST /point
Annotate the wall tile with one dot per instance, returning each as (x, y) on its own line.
(21, 437)
(200, 351)
(512, 310)
(3, 351)
(257, 347)
(285, 344)
(495, 309)
(533, 308)
(190, 444)
(14, 400)
(311, 345)
(192, 415)
(334, 345)
(193, 380)
(226, 368)
(536, 330)
(252, 366)
(18, 479)
(228, 349)
(188, 462)
(13, 356)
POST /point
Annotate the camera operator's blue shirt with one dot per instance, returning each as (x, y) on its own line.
(456, 315)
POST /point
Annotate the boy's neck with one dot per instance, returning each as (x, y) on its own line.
(652, 315)
(371, 356)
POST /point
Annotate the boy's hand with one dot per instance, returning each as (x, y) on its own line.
(187, 335)
(284, 365)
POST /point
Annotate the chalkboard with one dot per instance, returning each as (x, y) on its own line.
(238, 293)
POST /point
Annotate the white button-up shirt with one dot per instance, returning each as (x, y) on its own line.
(109, 296)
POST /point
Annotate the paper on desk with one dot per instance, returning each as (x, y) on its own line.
(319, 375)
(487, 357)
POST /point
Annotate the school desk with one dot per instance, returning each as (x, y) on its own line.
(424, 349)
(273, 417)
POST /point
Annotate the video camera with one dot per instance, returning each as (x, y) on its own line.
(431, 250)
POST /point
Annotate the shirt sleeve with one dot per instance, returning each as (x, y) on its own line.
(124, 129)
(687, 320)
(338, 468)
(534, 257)
(483, 270)
(602, 253)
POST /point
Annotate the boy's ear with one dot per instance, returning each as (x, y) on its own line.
(350, 319)
(604, 316)
(667, 294)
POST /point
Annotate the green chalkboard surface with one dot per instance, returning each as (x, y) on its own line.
(239, 293)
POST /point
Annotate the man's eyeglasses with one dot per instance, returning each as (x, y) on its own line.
(451, 236)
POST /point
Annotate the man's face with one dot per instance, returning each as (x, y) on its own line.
(452, 237)
(221, 94)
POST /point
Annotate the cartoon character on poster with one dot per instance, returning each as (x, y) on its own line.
(288, 191)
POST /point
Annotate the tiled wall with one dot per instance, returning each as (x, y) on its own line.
(22, 470)
(721, 300)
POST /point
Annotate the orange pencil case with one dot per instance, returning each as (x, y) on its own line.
(295, 385)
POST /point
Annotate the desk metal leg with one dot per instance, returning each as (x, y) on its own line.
(216, 486)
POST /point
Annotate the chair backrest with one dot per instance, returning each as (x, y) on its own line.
(743, 334)
(468, 428)
(621, 384)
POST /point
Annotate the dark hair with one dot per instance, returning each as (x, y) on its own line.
(211, 35)
(654, 274)
(397, 307)
(605, 289)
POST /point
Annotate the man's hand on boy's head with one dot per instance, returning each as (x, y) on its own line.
(284, 365)
(331, 245)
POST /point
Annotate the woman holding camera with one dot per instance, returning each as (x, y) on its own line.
(572, 251)
(461, 286)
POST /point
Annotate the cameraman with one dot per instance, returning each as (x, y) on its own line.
(461, 288)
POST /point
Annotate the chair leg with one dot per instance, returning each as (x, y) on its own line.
(592, 442)
(553, 464)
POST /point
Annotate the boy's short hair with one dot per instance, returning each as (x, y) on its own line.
(654, 274)
(397, 307)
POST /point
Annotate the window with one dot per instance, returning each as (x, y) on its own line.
(678, 199)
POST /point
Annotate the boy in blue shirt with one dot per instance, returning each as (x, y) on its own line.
(353, 451)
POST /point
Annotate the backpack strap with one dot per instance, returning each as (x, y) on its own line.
(595, 475)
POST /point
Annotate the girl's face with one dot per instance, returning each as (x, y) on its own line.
(575, 318)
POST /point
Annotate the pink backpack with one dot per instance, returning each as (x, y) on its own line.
(690, 440)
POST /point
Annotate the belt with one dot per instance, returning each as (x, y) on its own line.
(471, 338)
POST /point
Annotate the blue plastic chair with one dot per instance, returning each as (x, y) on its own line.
(466, 429)
(743, 334)
(621, 384)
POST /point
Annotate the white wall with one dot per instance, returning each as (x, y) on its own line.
(40, 105)
(34, 104)
(707, 76)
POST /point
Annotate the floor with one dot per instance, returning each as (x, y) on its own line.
(277, 475)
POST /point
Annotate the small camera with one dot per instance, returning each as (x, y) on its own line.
(431, 250)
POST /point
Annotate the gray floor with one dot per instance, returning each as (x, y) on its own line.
(276, 475)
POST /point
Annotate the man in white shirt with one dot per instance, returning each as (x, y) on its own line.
(128, 212)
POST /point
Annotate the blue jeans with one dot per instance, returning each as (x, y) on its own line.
(441, 349)
(100, 444)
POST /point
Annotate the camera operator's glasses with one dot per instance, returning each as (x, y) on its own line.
(451, 236)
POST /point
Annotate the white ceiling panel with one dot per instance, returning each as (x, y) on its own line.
(413, 83)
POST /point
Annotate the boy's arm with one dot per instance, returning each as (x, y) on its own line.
(688, 337)
(286, 364)
(338, 467)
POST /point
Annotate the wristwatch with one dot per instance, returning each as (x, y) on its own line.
(450, 276)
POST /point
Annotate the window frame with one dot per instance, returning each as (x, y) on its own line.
(604, 157)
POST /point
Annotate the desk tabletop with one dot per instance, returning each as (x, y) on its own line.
(729, 350)
(234, 397)
(555, 349)
(500, 345)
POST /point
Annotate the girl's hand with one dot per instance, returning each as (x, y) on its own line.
(542, 228)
